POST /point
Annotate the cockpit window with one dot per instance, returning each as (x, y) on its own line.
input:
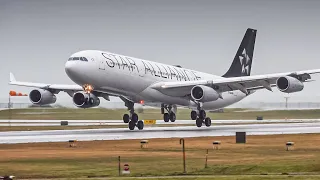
(77, 59)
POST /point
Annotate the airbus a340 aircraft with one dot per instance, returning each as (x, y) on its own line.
(103, 74)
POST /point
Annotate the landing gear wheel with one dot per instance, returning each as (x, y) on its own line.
(172, 117)
(140, 125)
(202, 114)
(199, 122)
(207, 121)
(166, 117)
(134, 117)
(132, 124)
(126, 118)
(193, 115)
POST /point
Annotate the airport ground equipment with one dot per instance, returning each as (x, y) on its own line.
(64, 123)
(216, 144)
(144, 143)
(72, 143)
(240, 137)
(259, 117)
(289, 145)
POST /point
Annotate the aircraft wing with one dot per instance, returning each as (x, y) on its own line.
(243, 83)
(57, 87)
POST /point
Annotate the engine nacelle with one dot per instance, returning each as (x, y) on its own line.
(85, 100)
(289, 84)
(204, 93)
(42, 97)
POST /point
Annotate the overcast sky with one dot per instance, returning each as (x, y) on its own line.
(37, 37)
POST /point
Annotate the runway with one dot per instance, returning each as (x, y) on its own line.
(155, 132)
(21, 122)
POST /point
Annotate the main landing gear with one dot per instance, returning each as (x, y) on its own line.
(133, 118)
(201, 117)
(169, 115)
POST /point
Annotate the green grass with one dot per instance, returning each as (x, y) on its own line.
(262, 155)
(250, 177)
(229, 177)
(107, 114)
(107, 167)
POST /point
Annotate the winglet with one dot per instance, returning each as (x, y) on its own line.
(12, 78)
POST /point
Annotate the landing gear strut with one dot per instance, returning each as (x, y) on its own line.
(200, 117)
(170, 115)
(133, 118)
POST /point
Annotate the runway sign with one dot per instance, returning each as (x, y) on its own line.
(149, 121)
(126, 169)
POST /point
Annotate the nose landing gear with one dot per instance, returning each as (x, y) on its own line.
(133, 118)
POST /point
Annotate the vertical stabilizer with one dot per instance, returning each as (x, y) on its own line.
(241, 65)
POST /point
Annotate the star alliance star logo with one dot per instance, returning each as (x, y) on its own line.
(244, 61)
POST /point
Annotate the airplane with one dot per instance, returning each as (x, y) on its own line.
(100, 74)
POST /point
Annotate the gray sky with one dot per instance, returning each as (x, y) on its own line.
(37, 37)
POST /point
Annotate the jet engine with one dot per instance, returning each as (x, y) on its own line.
(204, 93)
(42, 97)
(85, 100)
(289, 84)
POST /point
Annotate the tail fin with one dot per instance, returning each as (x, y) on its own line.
(241, 65)
(12, 78)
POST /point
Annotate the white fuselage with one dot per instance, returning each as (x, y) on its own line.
(131, 77)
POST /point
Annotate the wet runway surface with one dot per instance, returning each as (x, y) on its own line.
(20, 122)
(156, 132)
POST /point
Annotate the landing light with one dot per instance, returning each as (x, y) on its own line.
(141, 101)
(87, 88)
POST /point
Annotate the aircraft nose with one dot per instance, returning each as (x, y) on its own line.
(69, 68)
(73, 70)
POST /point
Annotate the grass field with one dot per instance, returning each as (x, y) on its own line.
(261, 155)
(231, 177)
(106, 114)
(214, 177)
